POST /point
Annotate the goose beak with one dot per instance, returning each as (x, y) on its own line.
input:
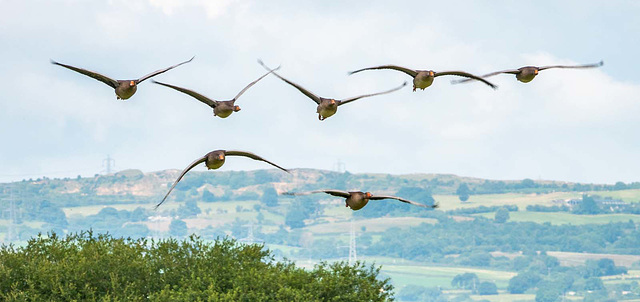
(368, 194)
(431, 73)
(220, 157)
(333, 102)
(132, 83)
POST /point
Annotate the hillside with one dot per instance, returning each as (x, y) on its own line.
(503, 230)
(133, 185)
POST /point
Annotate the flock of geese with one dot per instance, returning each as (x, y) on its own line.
(326, 108)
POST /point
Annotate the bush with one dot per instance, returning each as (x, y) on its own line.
(487, 288)
(502, 215)
(83, 267)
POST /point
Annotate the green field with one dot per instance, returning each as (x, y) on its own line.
(371, 225)
(334, 222)
(565, 218)
(229, 206)
(92, 210)
(429, 276)
(626, 195)
(404, 272)
(451, 202)
(505, 297)
(574, 259)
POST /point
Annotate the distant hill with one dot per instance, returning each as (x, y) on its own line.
(134, 186)
(502, 231)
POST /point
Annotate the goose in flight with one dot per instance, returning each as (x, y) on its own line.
(124, 88)
(357, 200)
(327, 106)
(424, 78)
(214, 160)
(221, 109)
(528, 73)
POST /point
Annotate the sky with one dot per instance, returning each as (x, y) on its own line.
(566, 125)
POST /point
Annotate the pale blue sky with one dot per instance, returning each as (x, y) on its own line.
(573, 125)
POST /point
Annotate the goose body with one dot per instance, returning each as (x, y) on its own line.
(124, 89)
(327, 107)
(526, 74)
(424, 78)
(221, 109)
(214, 160)
(356, 200)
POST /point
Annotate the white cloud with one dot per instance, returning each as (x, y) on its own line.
(213, 8)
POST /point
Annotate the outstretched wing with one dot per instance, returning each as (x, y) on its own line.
(337, 193)
(256, 81)
(197, 96)
(379, 197)
(157, 72)
(308, 93)
(509, 71)
(342, 102)
(573, 66)
(252, 156)
(193, 164)
(411, 72)
(466, 75)
(102, 78)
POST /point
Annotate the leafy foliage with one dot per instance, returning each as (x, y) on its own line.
(269, 197)
(521, 282)
(487, 288)
(178, 228)
(466, 281)
(502, 215)
(463, 192)
(84, 267)
(189, 209)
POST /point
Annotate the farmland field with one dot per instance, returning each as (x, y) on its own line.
(565, 218)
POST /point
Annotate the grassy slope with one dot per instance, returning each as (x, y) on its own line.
(430, 276)
(558, 218)
(334, 221)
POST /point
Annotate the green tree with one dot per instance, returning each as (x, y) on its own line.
(466, 281)
(587, 206)
(178, 228)
(422, 195)
(522, 282)
(548, 292)
(295, 217)
(620, 186)
(463, 192)
(84, 267)
(487, 288)
(189, 209)
(594, 283)
(264, 176)
(269, 197)
(502, 215)
(527, 183)
(139, 214)
(207, 196)
(420, 293)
